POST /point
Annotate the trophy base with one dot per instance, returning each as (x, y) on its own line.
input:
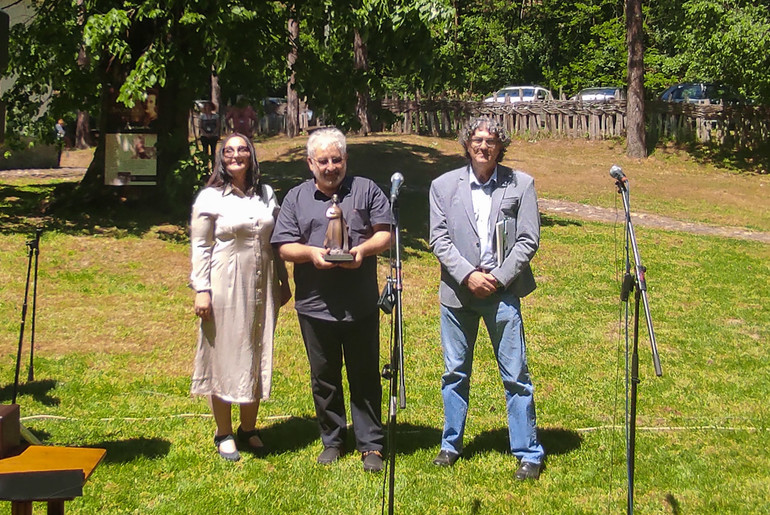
(338, 258)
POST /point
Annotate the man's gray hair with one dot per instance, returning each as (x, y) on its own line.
(489, 124)
(322, 138)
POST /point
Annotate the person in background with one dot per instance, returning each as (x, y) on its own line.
(336, 303)
(60, 135)
(239, 284)
(242, 118)
(483, 277)
(208, 122)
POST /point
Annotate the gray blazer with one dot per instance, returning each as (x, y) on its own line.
(455, 241)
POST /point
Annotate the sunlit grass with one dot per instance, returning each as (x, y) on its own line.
(115, 338)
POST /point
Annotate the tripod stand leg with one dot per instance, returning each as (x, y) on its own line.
(21, 329)
(31, 373)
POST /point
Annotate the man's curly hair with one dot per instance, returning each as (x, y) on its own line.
(489, 124)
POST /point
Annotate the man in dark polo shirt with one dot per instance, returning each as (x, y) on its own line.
(336, 302)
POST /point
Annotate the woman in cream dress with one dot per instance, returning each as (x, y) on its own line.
(240, 284)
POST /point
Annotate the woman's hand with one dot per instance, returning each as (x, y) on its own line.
(203, 304)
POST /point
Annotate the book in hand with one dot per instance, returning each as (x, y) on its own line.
(505, 238)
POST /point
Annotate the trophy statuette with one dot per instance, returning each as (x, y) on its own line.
(336, 234)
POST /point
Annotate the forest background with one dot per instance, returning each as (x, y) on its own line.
(345, 56)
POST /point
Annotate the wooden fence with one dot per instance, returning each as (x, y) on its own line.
(740, 127)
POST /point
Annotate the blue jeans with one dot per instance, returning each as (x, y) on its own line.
(459, 329)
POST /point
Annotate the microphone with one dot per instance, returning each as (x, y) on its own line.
(396, 180)
(616, 173)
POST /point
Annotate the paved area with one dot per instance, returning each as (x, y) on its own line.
(557, 207)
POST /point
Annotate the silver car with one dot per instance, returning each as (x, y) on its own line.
(599, 94)
(514, 94)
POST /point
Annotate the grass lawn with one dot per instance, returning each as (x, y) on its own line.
(115, 337)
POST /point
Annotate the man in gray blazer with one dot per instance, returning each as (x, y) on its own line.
(473, 211)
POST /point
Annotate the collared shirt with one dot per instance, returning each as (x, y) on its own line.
(337, 294)
(481, 196)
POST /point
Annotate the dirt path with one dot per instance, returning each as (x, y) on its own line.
(558, 207)
(601, 214)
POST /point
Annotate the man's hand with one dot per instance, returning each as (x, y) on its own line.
(482, 285)
(317, 258)
(358, 258)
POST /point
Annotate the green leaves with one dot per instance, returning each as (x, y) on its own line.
(106, 33)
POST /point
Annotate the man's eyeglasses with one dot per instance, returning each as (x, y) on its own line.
(491, 142)
(230, 151)
(325, 161)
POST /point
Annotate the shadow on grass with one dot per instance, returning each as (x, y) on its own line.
(550, 221)
(26, 208)
(39, 390)
(410, 438)
(555, 441)
(29, 207)
(744, 160)
(289, 435)
(126, 451)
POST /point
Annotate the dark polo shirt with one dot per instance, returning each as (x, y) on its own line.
(337, 294)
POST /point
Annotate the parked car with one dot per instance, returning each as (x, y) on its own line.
(530, 93)
(702, 93)
(599, 94)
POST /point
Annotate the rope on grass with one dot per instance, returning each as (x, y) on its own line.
(750, 429)
(138, 419)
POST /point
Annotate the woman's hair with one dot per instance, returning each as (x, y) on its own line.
(488, 124)
(221, 176)
(322, 138)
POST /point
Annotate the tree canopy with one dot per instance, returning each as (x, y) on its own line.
(68, 56)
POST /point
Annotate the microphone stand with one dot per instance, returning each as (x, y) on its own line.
(390, 302)
(637, 283)
(33, 249)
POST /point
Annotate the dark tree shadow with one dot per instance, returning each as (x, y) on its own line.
(118, 213)
(31, 207)
(39, 390)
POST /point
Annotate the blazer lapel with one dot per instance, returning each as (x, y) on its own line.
(464, 192)
(503, 180)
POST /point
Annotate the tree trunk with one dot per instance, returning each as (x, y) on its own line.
(361, 65)
(636, 142)
(292, 101)
(216, 93)
(83, 138)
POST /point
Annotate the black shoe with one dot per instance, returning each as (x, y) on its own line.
(446, 458)
(229, 456)
(528, 470)
(372, 461)
(330, 455)
(244, 437)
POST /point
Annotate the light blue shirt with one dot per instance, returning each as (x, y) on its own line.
(481, 196)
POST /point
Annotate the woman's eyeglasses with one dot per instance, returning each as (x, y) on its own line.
(230, 151)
